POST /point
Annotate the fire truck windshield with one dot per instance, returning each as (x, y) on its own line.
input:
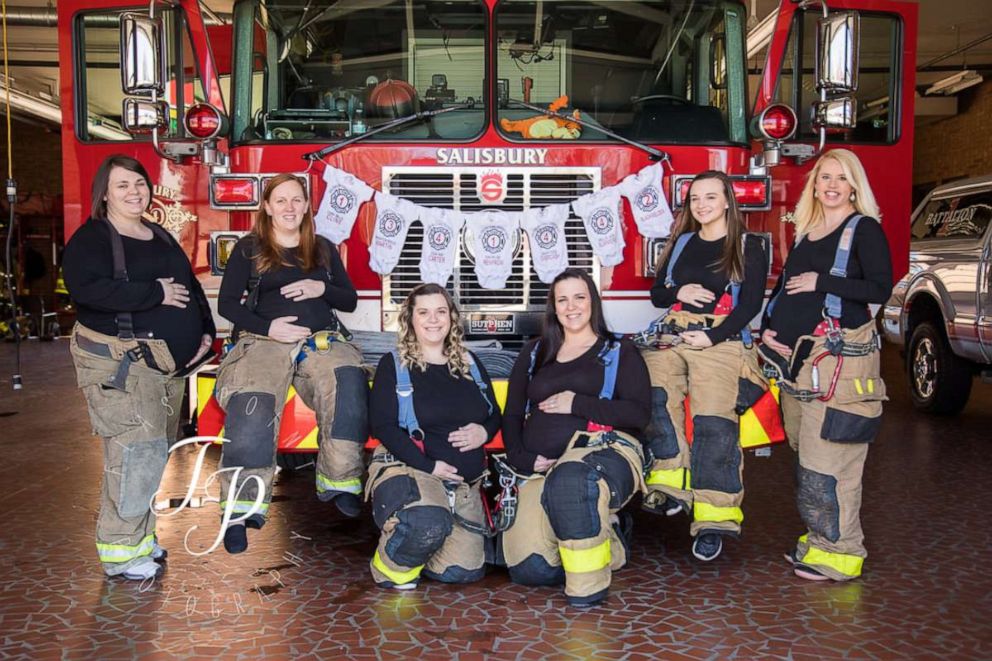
(330, 71)
(655, 71)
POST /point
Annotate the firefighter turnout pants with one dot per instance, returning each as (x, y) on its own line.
(252, 387)
(566, 529)
(708, 476)
(831, 438)
(137, 425)
(429, 527)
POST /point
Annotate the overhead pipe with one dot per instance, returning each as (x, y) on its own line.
(37, 17)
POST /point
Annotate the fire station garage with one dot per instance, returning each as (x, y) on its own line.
(227, 426)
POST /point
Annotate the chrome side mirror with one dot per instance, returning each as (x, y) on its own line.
(142, 116)
(142, 52)
(836, 114)
(837, 47)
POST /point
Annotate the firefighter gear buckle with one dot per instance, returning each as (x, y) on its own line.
(505, 511)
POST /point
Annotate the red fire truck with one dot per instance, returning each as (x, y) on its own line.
(408, 95)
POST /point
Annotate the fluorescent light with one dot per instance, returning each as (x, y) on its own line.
(956, 82)
(52, 112)
(760, 35)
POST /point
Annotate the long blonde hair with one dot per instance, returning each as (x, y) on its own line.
(409, 348)
(809, 213)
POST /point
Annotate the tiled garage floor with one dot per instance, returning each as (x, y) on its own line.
(303, 588)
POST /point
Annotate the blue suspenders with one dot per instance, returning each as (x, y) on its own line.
(609, 355)
(735, 287)
(407, 417)
(832, 302)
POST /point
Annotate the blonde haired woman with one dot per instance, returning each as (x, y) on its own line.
(433, 409)
(819, 336)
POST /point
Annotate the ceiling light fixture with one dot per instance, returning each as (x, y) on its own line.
(956, 82)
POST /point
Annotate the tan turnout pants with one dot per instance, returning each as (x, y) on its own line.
(564, 530)
(252, 386)
(423, 523)
(708, 476)
(137, 426)
(831, 438)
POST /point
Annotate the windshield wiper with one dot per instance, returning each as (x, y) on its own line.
(654, 154)
(418, 116)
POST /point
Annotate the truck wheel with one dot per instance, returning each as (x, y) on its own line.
(939, 381)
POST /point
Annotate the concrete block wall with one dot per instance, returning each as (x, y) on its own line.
(959, 146)
(37, 153)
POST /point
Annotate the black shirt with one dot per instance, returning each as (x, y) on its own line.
(88, 267)
(548, 434)
(443, 403)
(314, 313)
(696, 266)
(869, 280)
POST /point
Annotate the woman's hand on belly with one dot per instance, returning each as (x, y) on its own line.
(302, 290)
(205, 343)
(694, 294)
(446, 472)
(697, 338)
(468, 437)
(558, 403)
(768, 337)
(804, 282)
(542, 464)
(284, 330)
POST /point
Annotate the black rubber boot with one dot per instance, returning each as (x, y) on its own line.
(235, 539)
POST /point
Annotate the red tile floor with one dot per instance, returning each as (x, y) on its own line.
(303, 588)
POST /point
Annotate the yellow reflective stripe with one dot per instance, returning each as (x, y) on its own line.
(857, 386)
(245, 505)
(397, 577)
(353, 485)
(580, 561)
(848, 565)
(125, 552)
(871, 386)
(804, 538)
(688, 480)
(321, 341)
(707, 512)
(669, 477)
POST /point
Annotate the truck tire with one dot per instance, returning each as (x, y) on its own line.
(939, 381)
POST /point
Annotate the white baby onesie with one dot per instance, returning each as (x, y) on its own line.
(492, 240)
(441, 239)
(647, 200)
(393, 218)
(601, 215)
(548, 248)
(343, 197)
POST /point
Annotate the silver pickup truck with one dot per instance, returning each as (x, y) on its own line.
(941, 310)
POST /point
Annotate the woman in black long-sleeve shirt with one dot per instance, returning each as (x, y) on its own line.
(819, 333)
(288, 333)
(142, 320)
(577, 402)
(433, 409)
(703, 348)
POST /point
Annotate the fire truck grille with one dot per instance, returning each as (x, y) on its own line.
(458, 188)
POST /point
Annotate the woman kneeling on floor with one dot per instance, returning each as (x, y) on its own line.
(433, 409)
(578, 400)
